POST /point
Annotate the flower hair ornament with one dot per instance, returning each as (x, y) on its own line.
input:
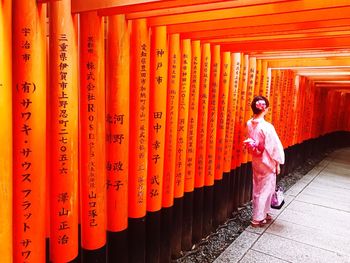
(260, 104)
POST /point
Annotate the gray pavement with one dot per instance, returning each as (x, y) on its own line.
(313, 225)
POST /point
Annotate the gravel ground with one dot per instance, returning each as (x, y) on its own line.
(209, 248)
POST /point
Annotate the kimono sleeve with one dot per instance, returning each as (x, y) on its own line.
(273, 145)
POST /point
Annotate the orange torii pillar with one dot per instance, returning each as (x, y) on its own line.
(221, 179)
(229, 131)
(197, 228)
(92, 138)
(138, 146)
(270, 82)
(181, 146)
(157, 121)
(29, 131)
(63, 109)
(294, 123)
(248, 115)
(6, 195)
(235, 145)
(211, 140)
(186, 242)
(174, 61)
(259, 75)
(117, 123)
(241, 129)
(282, 113)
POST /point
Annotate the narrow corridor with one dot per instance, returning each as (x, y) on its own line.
(313, 225)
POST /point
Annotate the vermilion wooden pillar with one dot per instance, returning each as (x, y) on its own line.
(117, 123)
(241, 156)
(174, 64)
(211, 140)
(186, 242)
(92, 120)
(6, 175)
(138, 144)
(63, 110)
(221, 178)
(229, 163)
(157, 121)
(249, 114)
(201, 142)
(235, 164)
(181, 145)
(29, 131)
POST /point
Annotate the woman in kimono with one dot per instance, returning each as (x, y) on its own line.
(267, 155)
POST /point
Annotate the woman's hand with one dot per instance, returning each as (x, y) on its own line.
(278, 169)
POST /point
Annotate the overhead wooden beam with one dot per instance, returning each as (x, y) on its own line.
(330, 25)
(286, 37)
(264, 20)
(249, 11)
(293, 44)
(306, 63)
(127, 6)
(192, 8)
(46, 1)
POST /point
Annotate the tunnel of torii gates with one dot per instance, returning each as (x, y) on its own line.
(123, 121)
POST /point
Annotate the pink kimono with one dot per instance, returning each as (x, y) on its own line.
(267, 152)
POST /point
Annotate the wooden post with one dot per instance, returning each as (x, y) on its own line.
(92, 138)
(211, 140)
(117, 122)
(64, 133)
(186, 242)
(6, 158)
(170, 146)
(197, 227)
(181, 144)
(248, 114)
(29, 131)
(138, 144)
(157, 121)
(221, 179)
(229, 156)
(241, 130)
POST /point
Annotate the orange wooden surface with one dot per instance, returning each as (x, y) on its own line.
(29, 119)
(222, 113)
(302, 16)
(258, 84)
(63, 108)
(119, 7)
(117, 121)
(6, 159)
(270, 29)
(157, 117)
(214, 86)
(202, 115)
(242, 156)
(249, 97)
(174, 65)
(182, 123)
(92, 119)
(193, 116)
(237, 130)
(249, 11)
(139, 117)
(192, 7)
(229, 161)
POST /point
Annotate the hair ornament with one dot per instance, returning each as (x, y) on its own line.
(260, 104)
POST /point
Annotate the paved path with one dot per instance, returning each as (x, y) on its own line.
(313, 225)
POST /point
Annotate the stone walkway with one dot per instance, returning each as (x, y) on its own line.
(313, 225)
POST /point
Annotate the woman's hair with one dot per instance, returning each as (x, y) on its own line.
(259, 104)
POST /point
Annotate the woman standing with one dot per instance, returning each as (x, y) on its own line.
(267, 155)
